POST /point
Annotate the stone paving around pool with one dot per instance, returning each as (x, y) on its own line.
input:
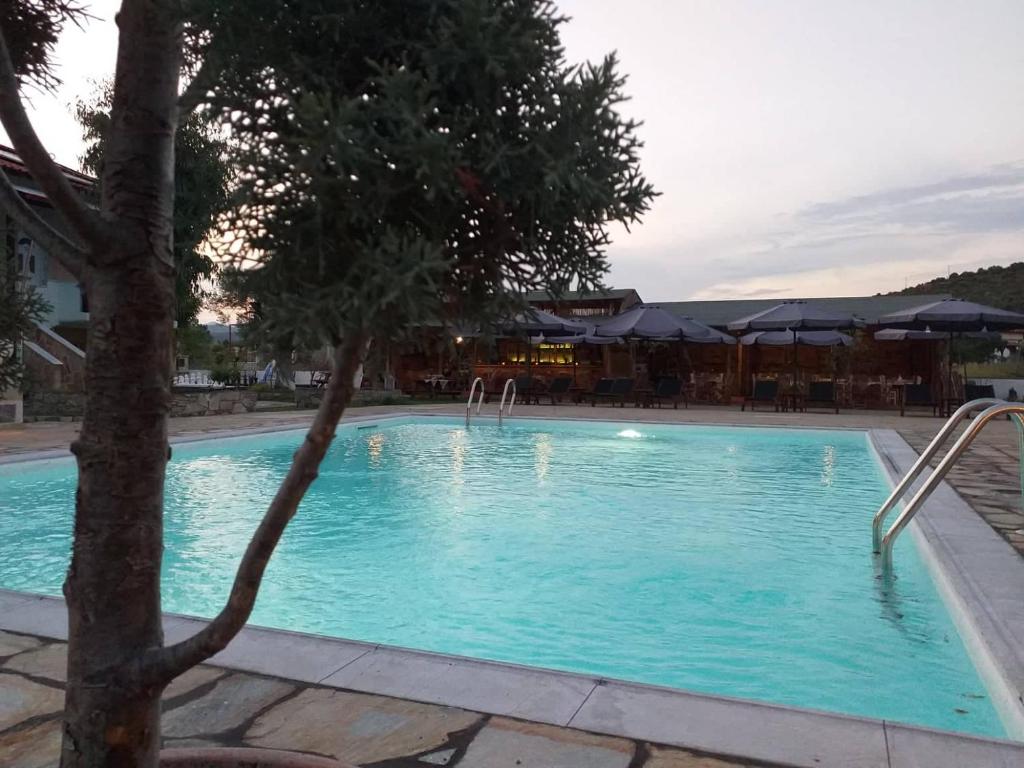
(211, 706)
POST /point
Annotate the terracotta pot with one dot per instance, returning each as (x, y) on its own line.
(241, 757)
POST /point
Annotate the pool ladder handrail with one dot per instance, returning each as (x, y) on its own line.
(999, 408)
(472, 391)
(504, 392)
(923, 460)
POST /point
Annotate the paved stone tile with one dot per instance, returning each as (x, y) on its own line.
(11, 644)
(513, 744)
(35, 747)
(356, 727)
(666, 757)
(234, 700)
(21, 699)
(50, 662)
(191, 680)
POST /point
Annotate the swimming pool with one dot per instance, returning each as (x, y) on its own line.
(722, 560)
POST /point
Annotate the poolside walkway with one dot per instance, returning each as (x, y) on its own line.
(987, 477)
(213, 706)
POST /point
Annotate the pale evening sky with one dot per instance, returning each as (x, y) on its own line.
(801, 147)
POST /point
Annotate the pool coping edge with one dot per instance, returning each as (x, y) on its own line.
(979, 576)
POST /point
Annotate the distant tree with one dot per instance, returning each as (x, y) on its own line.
(396, 162)
(996, 286)
(21, 307)
(201, 178)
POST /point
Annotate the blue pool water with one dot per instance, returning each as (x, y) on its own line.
(724, 560)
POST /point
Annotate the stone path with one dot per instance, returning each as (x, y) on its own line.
(212, 706)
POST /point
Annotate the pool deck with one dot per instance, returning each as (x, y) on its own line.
(383, 706)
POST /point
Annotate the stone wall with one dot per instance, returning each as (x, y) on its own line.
(213, 402)
(43, 404)
(310, 397)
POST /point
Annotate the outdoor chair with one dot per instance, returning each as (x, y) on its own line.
(615, 390)
(669, 390)
(821, 394)
(765, 392)
(527, 388)
(918, 396)
(558, 389)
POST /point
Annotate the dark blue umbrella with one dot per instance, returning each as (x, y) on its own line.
(805, 338)
(955, 316)
(535, 320)
(795, 315)
(658, 324)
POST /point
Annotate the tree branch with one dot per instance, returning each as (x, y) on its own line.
(194, 93)
(54, 184)
(164, 664)
(55, 244)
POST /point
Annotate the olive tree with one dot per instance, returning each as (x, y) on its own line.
(393, 163)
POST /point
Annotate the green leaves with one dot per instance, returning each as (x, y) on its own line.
(20, 308)
(405, 163)
(31, 29)
(201, 178)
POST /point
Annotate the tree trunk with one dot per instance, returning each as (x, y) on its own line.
(112, 714)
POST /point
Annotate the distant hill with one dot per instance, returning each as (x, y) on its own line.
(1001, 287)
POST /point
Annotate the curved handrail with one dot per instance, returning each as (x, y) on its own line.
(929, 453)
(504, 392)
(472, 391)
(961, 445)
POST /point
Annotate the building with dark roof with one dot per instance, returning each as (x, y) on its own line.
(717, 312)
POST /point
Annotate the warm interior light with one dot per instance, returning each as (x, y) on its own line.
(458, 339)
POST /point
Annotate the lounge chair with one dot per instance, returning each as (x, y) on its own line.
(978, 391)
(822, 394)
(670, 390)
(765, 392)
(527, 388)
(602, 388)
(617, 390)
(558, 389)
(918, 396)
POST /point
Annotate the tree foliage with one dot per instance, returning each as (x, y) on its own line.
(31, 29)
(995, 286)
(20, 308)
(414, 162)
(201, 194)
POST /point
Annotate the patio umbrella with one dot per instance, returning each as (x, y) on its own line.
(658, 324)
(582, 338)
(796, 315)
(956, 317)
(807, 338)
(906, 334)
(535, 320)
(793, 316)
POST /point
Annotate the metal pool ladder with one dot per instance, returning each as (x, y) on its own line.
(504, 392)
(993, 408)
(472, 391)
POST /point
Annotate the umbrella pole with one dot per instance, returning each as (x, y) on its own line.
(795, 363)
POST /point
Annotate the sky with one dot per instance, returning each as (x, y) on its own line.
(801, 148)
